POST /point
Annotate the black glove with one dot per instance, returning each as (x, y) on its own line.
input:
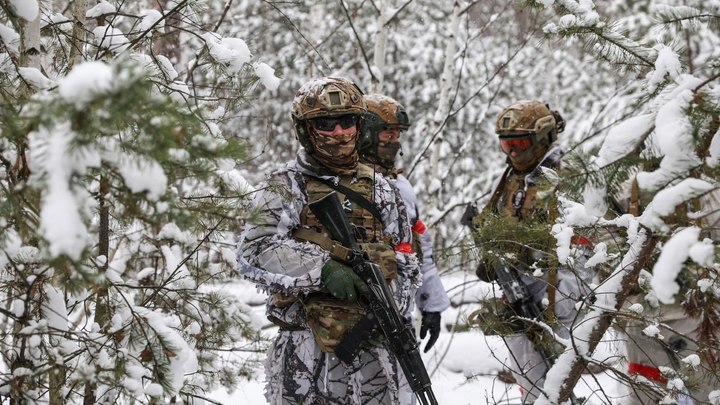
(485, 272)
(430, 322)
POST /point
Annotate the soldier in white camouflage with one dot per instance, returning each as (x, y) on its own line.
(385, 121)
(287, 252)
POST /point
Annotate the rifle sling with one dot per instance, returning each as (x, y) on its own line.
(336, 250)
(354, 196)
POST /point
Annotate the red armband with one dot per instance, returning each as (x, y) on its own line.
(581, 240)
(649, 372)
(404, 247)
(419, 227)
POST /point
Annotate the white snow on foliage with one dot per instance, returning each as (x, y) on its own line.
(673, 137)
(54, 308)
(267, 76)
(623, 139)
(667, 65)
(143, 175)
(100, 9)
(26, 9)
(149, 18)
(35, 78)
(53, 157)
(9, 38)
(231, 52)
(665, 201)
(111, 38)
(670, 263)
(85, 82)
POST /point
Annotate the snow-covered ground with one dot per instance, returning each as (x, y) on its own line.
(463, 365)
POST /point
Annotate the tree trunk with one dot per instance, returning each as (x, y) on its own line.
(78, 34)
(443, 108)
(168, 44)
(102, 305)
(380, 43)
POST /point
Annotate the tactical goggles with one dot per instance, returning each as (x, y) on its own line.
(518, 143)
(329, 123)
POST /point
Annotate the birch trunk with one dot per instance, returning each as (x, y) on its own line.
(380, 45)
(446, 80)
(78, 34)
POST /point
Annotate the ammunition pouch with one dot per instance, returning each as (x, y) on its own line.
(330, 319)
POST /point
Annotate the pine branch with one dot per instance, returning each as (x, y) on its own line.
(607, 316)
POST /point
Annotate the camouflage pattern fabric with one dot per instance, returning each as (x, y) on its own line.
(526, 363)
(297, 371)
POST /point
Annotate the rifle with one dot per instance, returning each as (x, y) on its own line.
(379, 302)
(521, 302)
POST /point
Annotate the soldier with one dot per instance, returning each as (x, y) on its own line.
(685, 342)
(513, 231)
(383, 125)
(286, 251)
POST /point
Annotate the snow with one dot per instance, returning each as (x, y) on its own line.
(100, 9)
(61, 223)
(463, 366)
(26, 9)
(85, 82)
(111, 38)
(35, 78)
(149, 18)
(10, 38)
(267, 76)
(231, 52)
(670, 263)
(667, 66)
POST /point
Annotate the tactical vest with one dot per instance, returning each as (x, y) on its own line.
(330, 318)
(516, 198)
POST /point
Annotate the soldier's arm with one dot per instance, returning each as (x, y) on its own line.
(267, 253)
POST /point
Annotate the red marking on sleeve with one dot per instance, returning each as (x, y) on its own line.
(581, 240)
(649, 372)
(404, 247)
(419, 227)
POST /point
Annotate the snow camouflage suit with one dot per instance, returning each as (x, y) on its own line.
(297, 369)
(525, 362)
(431, 296)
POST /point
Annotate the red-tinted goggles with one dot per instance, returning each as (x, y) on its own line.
(329, 123)
(517, 143)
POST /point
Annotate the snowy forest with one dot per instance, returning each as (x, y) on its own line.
(133, 134)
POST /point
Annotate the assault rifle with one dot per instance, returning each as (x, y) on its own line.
(379, 302)
(521, 302)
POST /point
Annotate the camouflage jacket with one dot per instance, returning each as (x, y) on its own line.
(269, 256)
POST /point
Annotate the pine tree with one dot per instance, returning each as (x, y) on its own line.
(653, 180)
(120, 204)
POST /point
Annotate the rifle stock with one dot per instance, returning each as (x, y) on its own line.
(379, 301)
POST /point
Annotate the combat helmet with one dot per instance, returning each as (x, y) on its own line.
(383, 113)
(325, 97)
(528, 127)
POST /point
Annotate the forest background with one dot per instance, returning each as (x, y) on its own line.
(132, 133)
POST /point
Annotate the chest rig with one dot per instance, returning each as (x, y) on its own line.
(328, 317)
(517, 197)
(366, 227)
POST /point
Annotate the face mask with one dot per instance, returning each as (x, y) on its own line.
(335, 152)
(387, 152)
(526, 160)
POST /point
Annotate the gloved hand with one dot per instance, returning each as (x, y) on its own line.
(485, 272)
(341, 281)
(430, 322)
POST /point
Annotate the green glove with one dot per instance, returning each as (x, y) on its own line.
(342, 282)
